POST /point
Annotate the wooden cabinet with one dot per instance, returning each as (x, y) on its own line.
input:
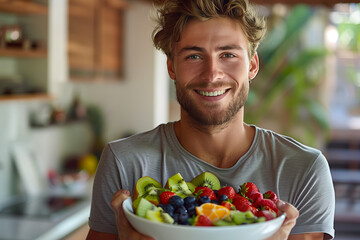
(95, 43)
(22, 7)
(28, 60)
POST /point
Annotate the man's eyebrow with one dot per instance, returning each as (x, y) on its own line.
(192, 48)
(199, 49)
(230, 47)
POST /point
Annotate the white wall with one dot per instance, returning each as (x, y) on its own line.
(138, 102)
(12, 128)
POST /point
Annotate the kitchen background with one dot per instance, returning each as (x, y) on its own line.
(75, 74)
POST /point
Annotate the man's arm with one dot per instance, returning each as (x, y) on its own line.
(291, 215)
(290, 220)
(127, 232)
(307, 236)
(94, 235)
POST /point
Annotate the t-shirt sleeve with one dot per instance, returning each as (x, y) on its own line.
(106, 183)
(316, 200)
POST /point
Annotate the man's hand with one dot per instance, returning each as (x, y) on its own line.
(291, 215)
(125, 230)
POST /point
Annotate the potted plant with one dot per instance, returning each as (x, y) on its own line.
(284, 96)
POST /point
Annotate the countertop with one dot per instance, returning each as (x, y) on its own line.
(50, 215)
(46, 227)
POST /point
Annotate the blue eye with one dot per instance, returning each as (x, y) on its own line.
(228, 55)
(194, 57)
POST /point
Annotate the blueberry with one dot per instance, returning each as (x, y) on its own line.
(176, 201)
(176, 217)
(223, 197)
(190, 207)
(204, 199)
(191, 213)
(181, 210)
(161, 205)
(169, 209)
(183, 218)
(189, 200)
(215, 202)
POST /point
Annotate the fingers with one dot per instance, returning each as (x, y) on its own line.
(290, 210)
(118, 198)
(291, 215)
(125, 230)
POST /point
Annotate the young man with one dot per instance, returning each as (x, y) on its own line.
(211, 49)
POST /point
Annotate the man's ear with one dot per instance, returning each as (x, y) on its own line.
(170, 68)
(254, 66)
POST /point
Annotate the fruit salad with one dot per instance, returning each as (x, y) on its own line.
(202, 202)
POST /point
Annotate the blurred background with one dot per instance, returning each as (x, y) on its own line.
(75, 74)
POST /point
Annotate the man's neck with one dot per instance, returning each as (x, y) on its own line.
(221, 146)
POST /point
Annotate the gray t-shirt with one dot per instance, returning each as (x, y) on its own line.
(298, 174)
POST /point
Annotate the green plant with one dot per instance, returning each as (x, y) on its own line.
(285, 91)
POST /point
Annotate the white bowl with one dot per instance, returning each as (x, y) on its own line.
(162, 231)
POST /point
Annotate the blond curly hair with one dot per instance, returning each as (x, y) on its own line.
(173, 15)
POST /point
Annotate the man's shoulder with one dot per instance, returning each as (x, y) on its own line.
(142, 139)
(283, 143)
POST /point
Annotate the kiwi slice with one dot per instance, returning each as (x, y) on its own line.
(178, 185)
(238, 217)
(159, 216)
(143, 206)
(191, 186)
(145, 185)
(135, 203)
(206, 179)
(224, 222)
(153, 195)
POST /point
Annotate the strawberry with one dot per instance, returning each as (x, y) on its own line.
(242, 203)
(254, 196)
(254, 210)
(228, 191)
(269, 209)
(271, 195)
(228, 205)
(202, 220)
(248, 188)
(267, 214)
(205, 191)
(165, 197)
(265, 203)
(237, 195)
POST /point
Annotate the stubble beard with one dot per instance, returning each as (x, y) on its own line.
(209, 117)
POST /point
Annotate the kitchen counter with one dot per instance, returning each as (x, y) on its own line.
(50, 215)
(31, 222)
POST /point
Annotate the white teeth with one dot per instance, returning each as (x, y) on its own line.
(212, 94)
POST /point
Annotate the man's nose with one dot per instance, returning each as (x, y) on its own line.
(212, 70)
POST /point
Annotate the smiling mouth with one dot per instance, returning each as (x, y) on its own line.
(212, 93)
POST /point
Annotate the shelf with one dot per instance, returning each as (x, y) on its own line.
(26, 97)
(23, 7)
(22, 53)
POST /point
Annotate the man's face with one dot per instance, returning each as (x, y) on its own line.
(211, 69)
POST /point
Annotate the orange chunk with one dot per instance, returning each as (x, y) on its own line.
(213, 211)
